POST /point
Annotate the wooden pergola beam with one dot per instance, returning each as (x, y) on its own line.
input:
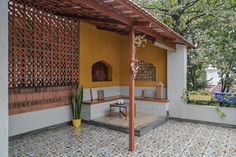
(93, 19)
(124, 11)
(118, 17)
(110, 21)
(142, 24)
(112, 30)
(105, 10)
(155, 22)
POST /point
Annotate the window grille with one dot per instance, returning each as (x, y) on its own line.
(101, 71)
(146, 72)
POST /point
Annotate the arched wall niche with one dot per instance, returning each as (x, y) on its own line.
(101, 71)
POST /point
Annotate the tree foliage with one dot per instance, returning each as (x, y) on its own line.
(210, 26)
(221, 52)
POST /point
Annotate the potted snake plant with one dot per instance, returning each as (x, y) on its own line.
(77, 100)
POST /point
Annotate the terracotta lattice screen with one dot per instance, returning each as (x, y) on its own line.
(43, 47)
(43, 57)
(146, 72)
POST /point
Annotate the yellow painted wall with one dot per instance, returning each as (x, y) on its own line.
(98, 45)
(149, 53)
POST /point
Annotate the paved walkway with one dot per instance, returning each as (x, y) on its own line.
(170, 139)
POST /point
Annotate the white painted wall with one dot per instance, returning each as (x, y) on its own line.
(3, 78)
(176, 79)
(29, 121)
(157, 108)
(124, 90)
(209, 114)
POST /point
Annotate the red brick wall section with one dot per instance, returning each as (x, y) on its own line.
(33, 99)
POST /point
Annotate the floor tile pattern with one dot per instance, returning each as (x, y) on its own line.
(172, 139)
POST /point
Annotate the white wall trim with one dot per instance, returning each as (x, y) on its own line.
(3, 78)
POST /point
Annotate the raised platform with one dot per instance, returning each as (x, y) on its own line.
(144, 123)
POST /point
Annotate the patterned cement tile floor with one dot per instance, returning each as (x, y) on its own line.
(170, 139)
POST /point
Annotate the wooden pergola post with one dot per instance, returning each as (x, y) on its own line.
(131, 88)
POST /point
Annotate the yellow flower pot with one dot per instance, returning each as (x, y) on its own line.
(76, 123)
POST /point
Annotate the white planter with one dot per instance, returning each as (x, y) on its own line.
(209, 114)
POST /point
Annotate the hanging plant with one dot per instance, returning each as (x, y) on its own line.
(134, 68)
(140, 40)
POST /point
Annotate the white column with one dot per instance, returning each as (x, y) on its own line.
(4, 78)
(176, 79)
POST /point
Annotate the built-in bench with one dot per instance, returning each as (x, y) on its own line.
(93, 109)
(112, 98)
